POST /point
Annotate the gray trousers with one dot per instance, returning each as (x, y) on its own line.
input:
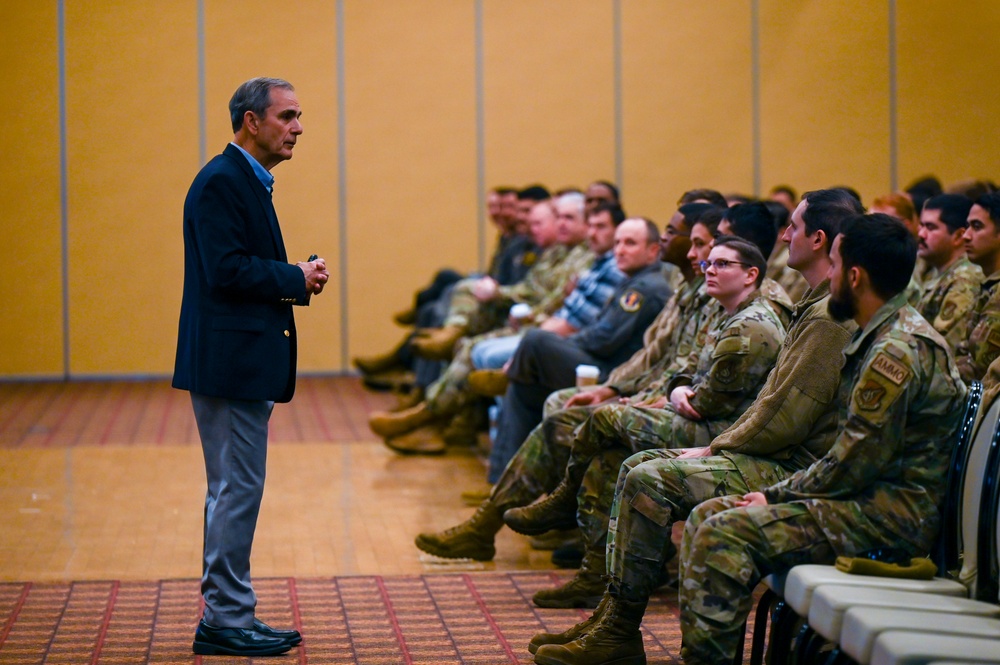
(234, 441)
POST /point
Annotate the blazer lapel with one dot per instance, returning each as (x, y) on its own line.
(263, 196)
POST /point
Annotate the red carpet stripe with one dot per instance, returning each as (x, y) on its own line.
(113, 597)
(14, 614)
(395, 620)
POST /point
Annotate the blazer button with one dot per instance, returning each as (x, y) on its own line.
(287, 334)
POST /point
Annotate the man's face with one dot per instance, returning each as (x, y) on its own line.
(784, 199)
(601, 232)
(633, 251)
(596, 193)
(524, 209)
(508, 209)
(936, 244)
(981, 241)
(542, 224)
(701, 245)
(841, 305)
(725, 228)
(675, 241)
(279, 129)
(800, 247)
(726, 282)
(572, 225)
(493, 208)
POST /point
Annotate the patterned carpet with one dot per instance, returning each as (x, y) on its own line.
(482, 618)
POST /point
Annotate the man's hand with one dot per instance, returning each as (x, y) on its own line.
(752, 499)
(558, 326)
(485, 289)
(590, 397)
(691, 453)
(316, 275)
(680, 398)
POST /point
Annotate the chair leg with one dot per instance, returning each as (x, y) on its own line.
(738, 656)
(764, 608)
(783, 622)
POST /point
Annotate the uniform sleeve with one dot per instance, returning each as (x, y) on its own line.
(802, 388)
(952, 320)
(983, 347)
(626, 317)
(740, 361)
(219, 225)
(871, 436)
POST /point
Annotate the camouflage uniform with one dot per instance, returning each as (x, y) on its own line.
(544, 288)
(948, 298)
(450, 394)
(792, 422)
(983, 345)
(538, 464)
(736, 359)
(879, 485)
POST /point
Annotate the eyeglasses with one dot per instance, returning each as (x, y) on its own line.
(721, 264)
(671, 232)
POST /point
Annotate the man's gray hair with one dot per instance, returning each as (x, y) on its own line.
(254, 95)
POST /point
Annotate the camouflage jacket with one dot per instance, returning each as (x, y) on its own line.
(901, 405)
(668, 338)
(550, 280)
(948, 298)
(738, 354)
(982, 347)
(795, 415)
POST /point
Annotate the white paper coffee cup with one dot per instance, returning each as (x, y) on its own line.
(520, 312)
(587, 375)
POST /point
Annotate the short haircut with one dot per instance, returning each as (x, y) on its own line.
(652, 230)
(785, 189)
(574, 198)
(922, 189)
(991, 203)
(691, 212)
(613, 209)
(534, 193)
(748, 253)
(902, 205)
(953, 208)
(504, 190)
(735, 198)
(779, 212)
(883, 247)
(753, 222)
(826, 209)
(850, 190)
(711, 217)
(255, 96)
(610, 186)
(711, 195)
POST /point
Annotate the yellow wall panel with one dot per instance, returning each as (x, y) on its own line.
(825, 95)
(132, 135)
(549, 92)
(31, 330)
(411, 156)
(948, 94)
(300, 48)
(686, 102)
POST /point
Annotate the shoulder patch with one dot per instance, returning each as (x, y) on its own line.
(529, 259)
(869, 396)
(630, 301)
(994, 338)
(948, 311)
(890, 368)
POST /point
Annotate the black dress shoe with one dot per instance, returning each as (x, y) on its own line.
(291, 636)
(211, 641)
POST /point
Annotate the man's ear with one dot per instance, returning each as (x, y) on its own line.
(752, 274)
(819, 239)
(250, 122)
(857, 276)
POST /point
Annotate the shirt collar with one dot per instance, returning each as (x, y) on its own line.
(262, 174)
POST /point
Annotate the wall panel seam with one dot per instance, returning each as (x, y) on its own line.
(342, 180)
(63, 184)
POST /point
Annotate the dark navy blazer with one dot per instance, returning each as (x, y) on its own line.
(236, 337)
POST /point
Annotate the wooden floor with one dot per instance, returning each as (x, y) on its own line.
(104, 480)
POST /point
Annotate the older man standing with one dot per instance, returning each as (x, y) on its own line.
(236, 350)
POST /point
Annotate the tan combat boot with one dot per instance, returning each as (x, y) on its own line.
(614, 638)
(382, 362)
(472, 539)
(556, 511)
(406, 317)
(488, 382)
(463, 428)
(437, 344)
(388, 424)
(574, 633)
(425, 440)
(585, 589)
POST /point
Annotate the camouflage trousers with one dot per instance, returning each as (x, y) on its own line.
(450, 393)
(725, 552)
(467, 311)
(654, 490)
